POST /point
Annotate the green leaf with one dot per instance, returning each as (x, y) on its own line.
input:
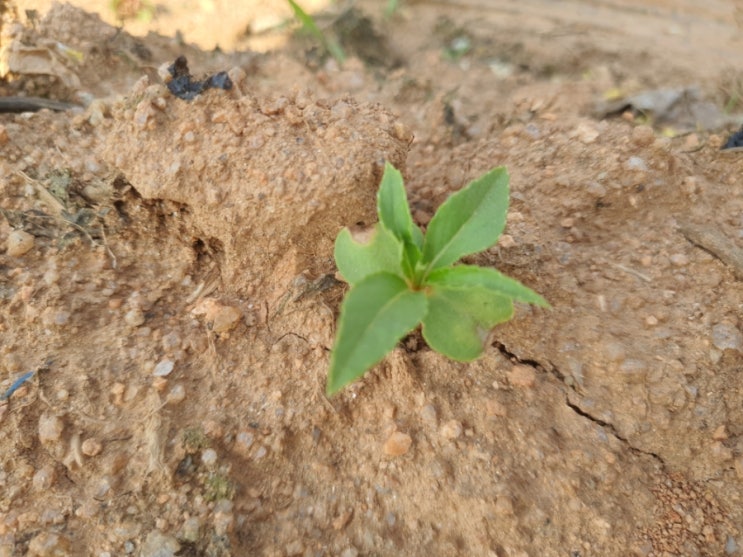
(357, 260)
(376, 313)
(471, 276)
(418, 237)
(458, 320)
(469, 221)
(394, 214)
(392, 205)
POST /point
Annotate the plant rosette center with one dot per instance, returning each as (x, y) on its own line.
(401, 278)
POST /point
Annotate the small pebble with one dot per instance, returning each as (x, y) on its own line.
(506, 241)
(243, 442)
(397, 444)
(171, 341)
(224, 523)
(190, 530)
(586, 133)
(163, 368)
(679, 260)
(177, 394)
(691, 142)
(726, 336)
(428, 415)
(158, 544)
(92, 447)
(636, 163)
(50, 428)
(522, 376)
(44, 478)
(643, 135)
(226, 318)
(61, 318)
(134, 317)
(19, 243)
(209, 457)
(451, 430)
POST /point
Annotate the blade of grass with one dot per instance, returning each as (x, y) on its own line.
(309, 25)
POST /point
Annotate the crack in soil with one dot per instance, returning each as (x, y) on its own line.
(557, 374)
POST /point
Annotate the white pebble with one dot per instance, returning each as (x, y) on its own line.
(44, 478)
(636, 163)
(451, 430)
(50, 428)
(163, 368)
(726, 336)
(679, 260)
(209, 457)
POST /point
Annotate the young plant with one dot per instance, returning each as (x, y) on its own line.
(399, 278)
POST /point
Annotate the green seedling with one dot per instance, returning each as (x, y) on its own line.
(400, 278)
(310, 27)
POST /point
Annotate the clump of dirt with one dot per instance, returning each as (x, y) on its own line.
(262, 179)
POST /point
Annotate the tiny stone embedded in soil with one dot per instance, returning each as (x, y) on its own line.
(397, 444)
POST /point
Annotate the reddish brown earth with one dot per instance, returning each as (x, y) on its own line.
(167, 269)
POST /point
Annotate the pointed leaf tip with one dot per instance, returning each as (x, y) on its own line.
(470, 221)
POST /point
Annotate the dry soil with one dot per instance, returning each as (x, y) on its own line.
(167, 274)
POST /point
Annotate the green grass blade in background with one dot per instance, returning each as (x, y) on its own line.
(309, 25)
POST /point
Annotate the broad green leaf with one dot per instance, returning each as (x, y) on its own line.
(469, 221)
(376, 313)
(459, 320)
(471, 276)
(357, 260)
(392, 205)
